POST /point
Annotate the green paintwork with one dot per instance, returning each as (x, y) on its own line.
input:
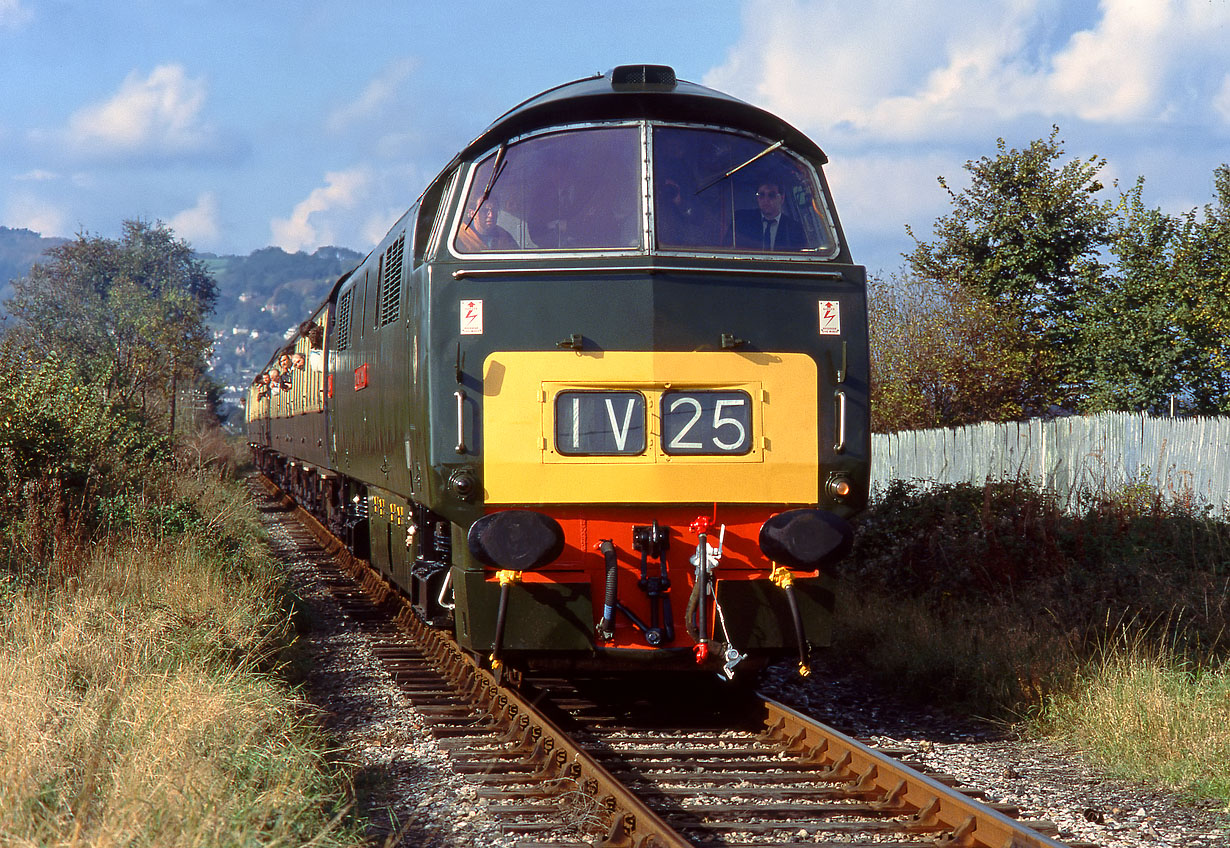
(758, 613)
(555, 614)
(397, 437)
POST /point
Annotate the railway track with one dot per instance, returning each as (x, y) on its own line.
(569, 763)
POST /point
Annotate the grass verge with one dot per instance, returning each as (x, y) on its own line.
(139, 699)
(1140, 711)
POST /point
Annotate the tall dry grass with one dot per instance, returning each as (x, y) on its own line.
(1140, 710)
(139, 703)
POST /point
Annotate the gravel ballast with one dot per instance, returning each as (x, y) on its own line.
(1046, 780)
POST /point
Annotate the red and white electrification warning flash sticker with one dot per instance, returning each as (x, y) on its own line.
(830, 318)
(471, 317)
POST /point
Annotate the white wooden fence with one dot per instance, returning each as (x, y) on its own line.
(1180, 457)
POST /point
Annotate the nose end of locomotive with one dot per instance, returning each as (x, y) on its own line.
(516, 539)
(806, 539)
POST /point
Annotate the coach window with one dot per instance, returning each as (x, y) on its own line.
(716, 190)
(575, 189)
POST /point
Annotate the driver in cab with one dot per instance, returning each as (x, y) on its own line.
(479, 230)
(766, 228)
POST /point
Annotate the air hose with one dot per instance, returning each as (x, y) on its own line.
(784, 578)
(506, 578)
(694, 614)
(606, 627)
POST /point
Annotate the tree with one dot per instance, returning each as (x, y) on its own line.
(104, 328)
(1202, 273)
(1026, 236)
(942, 356)
(1121, 306)
(127, 314)
(1134, 344)
(1160, 323)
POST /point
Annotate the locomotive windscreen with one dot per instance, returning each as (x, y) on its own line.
(721, 191)
(581, 188)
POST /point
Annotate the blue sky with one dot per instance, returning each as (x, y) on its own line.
(244, 124)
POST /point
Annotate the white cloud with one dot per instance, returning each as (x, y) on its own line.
(28, 211)
(199, 224)
(879, 67)
(159, 114)
(315, 220)
(1221, 103)
(38, 175)
(959, 68)
(1140, 59)
(379, 93)
(13, 14)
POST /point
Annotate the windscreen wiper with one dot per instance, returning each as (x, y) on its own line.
(496, 170)
(737, 168)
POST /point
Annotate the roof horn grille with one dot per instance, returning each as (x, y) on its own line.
(643, 76)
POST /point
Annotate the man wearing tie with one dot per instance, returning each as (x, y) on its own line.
(767, 229)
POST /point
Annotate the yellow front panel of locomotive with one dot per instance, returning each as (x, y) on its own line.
(523, 466)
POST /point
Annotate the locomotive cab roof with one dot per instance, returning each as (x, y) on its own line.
(637, 92)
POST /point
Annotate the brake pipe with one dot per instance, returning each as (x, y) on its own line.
(506, 578)
(702, 585)
(668, 625)
(783, 577)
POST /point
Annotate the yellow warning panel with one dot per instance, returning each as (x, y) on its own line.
(641, 427)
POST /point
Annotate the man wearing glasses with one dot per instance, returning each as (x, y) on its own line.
(767, 229)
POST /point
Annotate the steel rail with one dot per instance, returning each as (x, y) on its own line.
(561, 760)
(933, 806)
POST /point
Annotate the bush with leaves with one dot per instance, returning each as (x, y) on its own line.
(63, 445)
(1122, 556)
(943, 356)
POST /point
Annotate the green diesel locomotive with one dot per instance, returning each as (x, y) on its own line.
(599, 400)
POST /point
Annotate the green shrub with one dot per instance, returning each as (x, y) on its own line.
(1125, 556)
(72, 463)
(136, 512)
(53, 423)
(989, 597)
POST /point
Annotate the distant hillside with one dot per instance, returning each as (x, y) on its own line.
(260, 296)
(19, 249)
(263, 296)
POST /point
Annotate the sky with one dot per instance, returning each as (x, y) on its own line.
(305, 123)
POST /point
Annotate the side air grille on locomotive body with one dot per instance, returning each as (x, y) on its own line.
(390, 289)
(343, 321)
